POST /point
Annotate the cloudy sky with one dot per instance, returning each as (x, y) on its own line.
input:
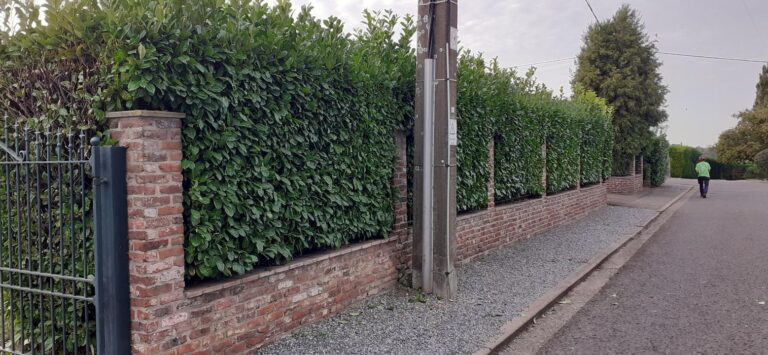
(704, 94)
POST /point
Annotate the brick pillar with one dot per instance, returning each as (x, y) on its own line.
(632, 166)
(155, 224)
(492, 175)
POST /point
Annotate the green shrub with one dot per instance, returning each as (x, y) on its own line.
(596, 136)
(761, 162)
(288, 142)
(725, 171)
(656, 160)
(683, 161)
(288, 146)
(563, 136)
(475, 96)
(751, 171)
(683, 164)
(518, 142)
(288, 137)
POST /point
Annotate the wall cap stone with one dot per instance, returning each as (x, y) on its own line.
(145, 114)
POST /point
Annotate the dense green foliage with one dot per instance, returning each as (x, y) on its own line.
(656, 160)
(288, 146)
(750, 136)
(761, 162)
(761, 95)
(619, 64)
(724, 171)
(65, 80)
(288, 142)
(288, 137)
(562, 129)
(475, 95)
(740, 144)
(518, 154)
(521, 116)
(683, 165)
(683, 161)
(596, 136)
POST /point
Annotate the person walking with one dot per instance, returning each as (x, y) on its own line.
(703, 168)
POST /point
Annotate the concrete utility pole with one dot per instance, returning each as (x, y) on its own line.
(435, 136)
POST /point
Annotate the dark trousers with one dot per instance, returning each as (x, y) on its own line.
(703, 185)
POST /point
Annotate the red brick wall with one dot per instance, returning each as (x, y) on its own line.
(487, 230)
(238, 315)
(625, 184)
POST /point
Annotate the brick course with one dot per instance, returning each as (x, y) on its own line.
(631, 184)
(490, 229)
(239, 315)
(625, 184)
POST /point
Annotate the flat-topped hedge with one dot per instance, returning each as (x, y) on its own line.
(288, 140)
(524, 120)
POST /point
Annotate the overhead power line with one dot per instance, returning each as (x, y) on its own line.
(661, 52)
(592, 11)
(715, 58)
(544, 62)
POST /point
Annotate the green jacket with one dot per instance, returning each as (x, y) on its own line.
(703, 169)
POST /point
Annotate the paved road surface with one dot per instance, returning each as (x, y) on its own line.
(700, 285)
(656, 199)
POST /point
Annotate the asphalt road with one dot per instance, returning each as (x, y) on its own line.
(699, 286)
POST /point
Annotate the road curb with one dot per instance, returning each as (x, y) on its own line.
(543, 303)
(672, 202)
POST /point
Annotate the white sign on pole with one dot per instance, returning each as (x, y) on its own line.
(453, 132)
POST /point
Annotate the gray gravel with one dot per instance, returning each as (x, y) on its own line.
(492, 290)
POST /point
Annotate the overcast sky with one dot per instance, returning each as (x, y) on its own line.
(704, 94)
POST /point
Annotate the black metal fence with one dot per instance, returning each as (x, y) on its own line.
(49, 247)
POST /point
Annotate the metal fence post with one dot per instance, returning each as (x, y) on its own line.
(113, 321)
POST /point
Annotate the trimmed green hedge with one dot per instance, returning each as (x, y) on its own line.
(523, 116)
(288, 140)
(656, 160)
(563, 136)
(475, 94)
(683, 161)
(726, 171)
(518, 142)
(596, 136)
(683, 165)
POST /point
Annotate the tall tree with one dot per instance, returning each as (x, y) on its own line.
(750, 136)
(618, 62)
(761, 98)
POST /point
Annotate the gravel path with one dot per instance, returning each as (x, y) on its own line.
(492, 290)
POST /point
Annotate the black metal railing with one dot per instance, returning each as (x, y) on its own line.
(47, 251)
(63, 244)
